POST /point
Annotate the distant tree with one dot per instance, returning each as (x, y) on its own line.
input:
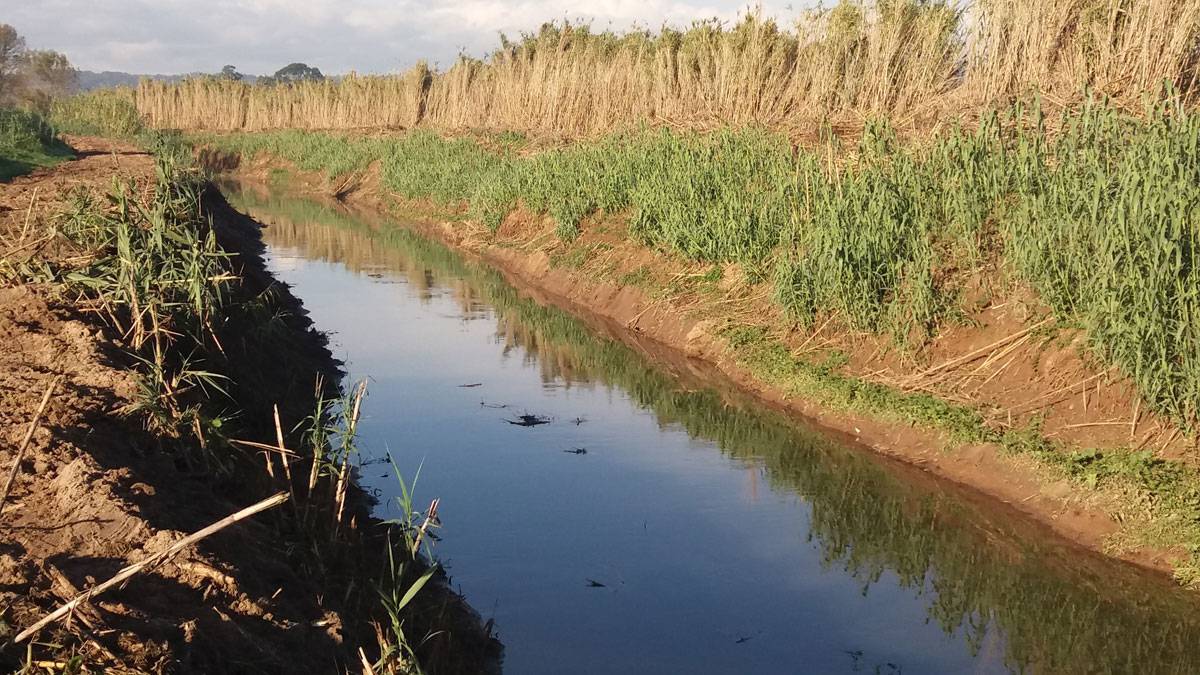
(297, 72)
(12, 51)
(230, 73)
(32, 77)
(49, 74)
(265, 80)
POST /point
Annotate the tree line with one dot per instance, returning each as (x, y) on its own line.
(31, 77)
(289, 74)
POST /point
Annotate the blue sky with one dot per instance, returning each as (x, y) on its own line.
(260, 36)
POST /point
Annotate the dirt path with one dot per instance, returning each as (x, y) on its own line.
(96, 492)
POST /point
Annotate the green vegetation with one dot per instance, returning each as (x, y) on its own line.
(104, 112)
(333, 154)
(30, 80)
(164, 279)
(1163, 496)
(1078, 615)
(35, 108)
(1096, 217)
(206, 345)
(27, 142)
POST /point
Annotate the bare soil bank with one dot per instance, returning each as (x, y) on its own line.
(1008, 358)
(97, 492)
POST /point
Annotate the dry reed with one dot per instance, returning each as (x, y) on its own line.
(905, 59)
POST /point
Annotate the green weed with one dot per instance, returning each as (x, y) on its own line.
(1098, 218)
(27, 141)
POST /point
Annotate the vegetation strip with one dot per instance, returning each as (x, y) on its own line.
(920, 61)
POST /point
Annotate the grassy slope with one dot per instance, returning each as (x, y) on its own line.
(884, 240)
(26, 143)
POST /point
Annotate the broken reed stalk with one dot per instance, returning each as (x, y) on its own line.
(29, 213)
(267, 450)
(368, 669)
(283, 451)
(88, 616)
(982, 351)
(430, 517)
(284, 458)
(151, 562)
(37, 416)
(315, 470)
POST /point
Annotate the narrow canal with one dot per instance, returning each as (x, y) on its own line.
(661, 522)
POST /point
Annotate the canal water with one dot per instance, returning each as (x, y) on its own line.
(660, 522)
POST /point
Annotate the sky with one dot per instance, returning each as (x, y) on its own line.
(337, 36)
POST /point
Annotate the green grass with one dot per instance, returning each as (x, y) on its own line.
(1098, 218)
(30, 140)
(639, 277)
(27, 142)
(573, 259)
(104, 112)
(335, 155)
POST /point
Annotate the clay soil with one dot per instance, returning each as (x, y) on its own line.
(95, 491)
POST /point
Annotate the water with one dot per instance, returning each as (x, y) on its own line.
(727, 537)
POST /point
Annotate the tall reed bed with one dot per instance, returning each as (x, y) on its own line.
(905, 59)
(350, 103)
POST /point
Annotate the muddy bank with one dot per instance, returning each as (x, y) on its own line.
(1008, 361)
(100, 489)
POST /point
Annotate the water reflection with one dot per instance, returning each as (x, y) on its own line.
(1010, 595)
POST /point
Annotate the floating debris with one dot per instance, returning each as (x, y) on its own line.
(578, 420)
(576, 451)
(496, 406)
(592, 583)
(529, 420)
(469, 386)
(742, 640)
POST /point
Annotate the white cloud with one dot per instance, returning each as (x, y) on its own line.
(259, 36)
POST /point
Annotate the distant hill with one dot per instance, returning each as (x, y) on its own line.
(89, 80)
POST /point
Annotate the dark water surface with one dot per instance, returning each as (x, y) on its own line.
(728, 537)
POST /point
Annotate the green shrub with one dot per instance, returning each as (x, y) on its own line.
(27, 141)
(104, 112)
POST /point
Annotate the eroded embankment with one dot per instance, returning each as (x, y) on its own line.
(1007, 401)
(110, 478)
